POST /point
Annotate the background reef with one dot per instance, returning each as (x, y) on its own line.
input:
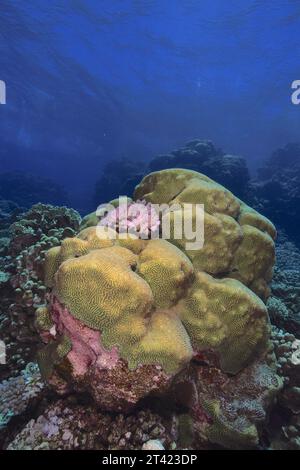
(273, 190)
(238, 388)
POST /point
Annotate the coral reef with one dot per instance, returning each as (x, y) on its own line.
(236, 408)
(121, 316)
(119, 177)
(238, 240)
(69, 427)
(42, 219)
(202, 156)
(182, 333)
(8, 214)
(17, 394)
(126, 316)
(31, 235)
(26, 189)
(136, 218)
(282, 158)
(287, 351)
(284, 303)
(276, 191)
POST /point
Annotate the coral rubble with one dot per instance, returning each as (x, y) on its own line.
(70, 427)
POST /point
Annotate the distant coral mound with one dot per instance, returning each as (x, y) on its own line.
(276, 191)
(26, 189)
(281, 159)
(9, 212)
(120, 176)
(202, 156)
(284, 303)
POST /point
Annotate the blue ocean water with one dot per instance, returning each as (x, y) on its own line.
(88, 81)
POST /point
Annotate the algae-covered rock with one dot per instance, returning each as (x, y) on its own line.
(231, 411)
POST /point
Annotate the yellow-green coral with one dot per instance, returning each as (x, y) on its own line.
(163, 186)
(222, 314)
(187, 186)
(214, 197)
(99, 288)
(167, 271)
(43, 319)
(253, 259)
(240, 434)
(152, 299)
(164, 342)
(103, 292)
(238, 241)
(86, 241)
(51, 265)
(222, 236)
(249, 216)
(52, 354)
(90, 220)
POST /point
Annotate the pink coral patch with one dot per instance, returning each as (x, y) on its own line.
(86, 342)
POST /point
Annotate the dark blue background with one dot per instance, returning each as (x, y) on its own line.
(91, 80)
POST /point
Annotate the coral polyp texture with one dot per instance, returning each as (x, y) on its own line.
(127, 316)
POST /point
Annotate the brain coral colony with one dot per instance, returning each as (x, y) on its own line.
(167, 345)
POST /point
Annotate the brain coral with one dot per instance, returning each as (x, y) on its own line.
(239, 242)
(136, 311)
